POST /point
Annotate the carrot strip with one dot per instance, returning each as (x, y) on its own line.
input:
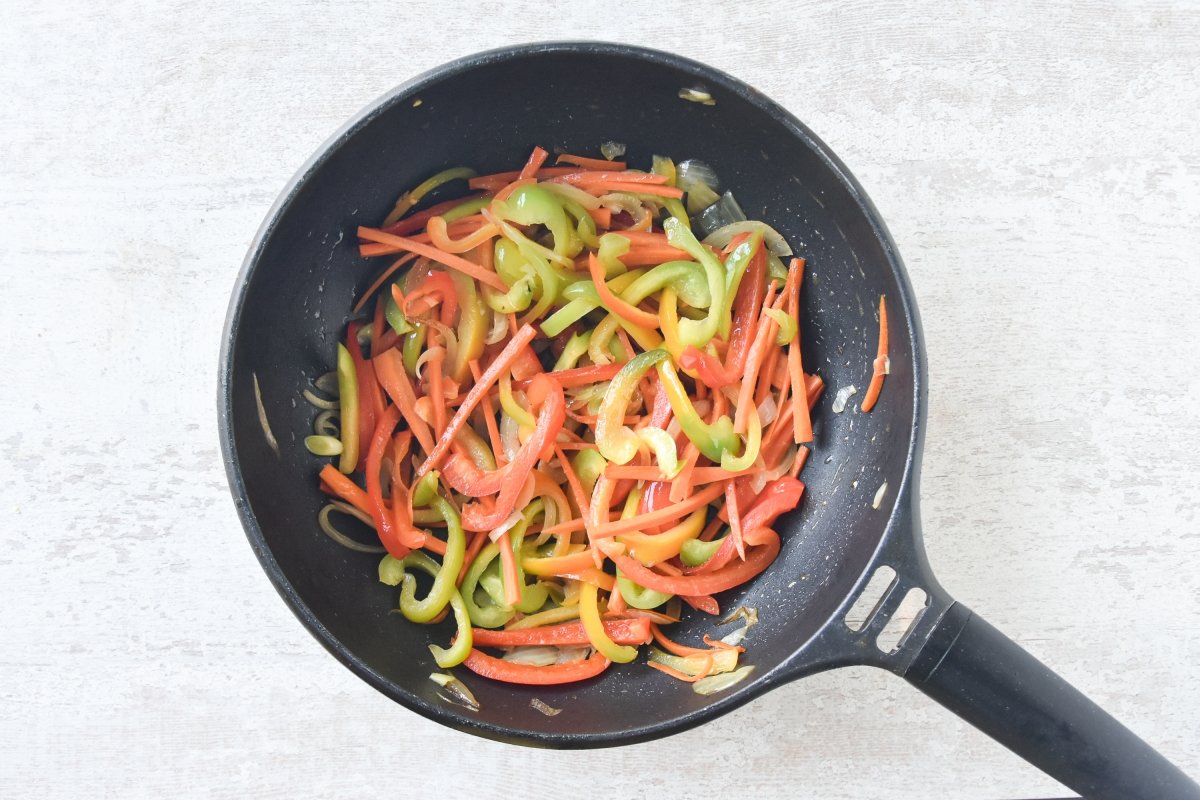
(735, 518)
(801, 419)
(341, 486)
(389, 369)
(489, 417)
(881, 361)
(497, 180)
(512, 672)
(503, 361)
(672, 647)
(622, 176)
(536, 159)
(626, 311)
(478, 540)
(415, 222)
(398, 243)
(508, 561)
(660, 516)
(589, 163)
(599, 187)
(601, 216)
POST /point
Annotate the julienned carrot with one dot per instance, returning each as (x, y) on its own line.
(626, 311)
(536, 159)
(622, 176)
(801, 419)
(454, 262)
(662, 515)
(389, 369)
(508, 562)
(503, 362)
(407, 258)
(645, 255)
(513, 672)
(599, 187)
(601, 216)
(683, 676)
(590, 163)
(881, 365)
(490, 183)
(578, 376)
(341, 486)
(566, 634)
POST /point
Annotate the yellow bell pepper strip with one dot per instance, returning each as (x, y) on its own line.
(510, 405)
(662, 445)
(348, 397)
(589, 614)
(668, 323)
(616, 441)
(639, 596)
(414, 195)
(466, 209)
(473, 319)
(650, 549)
(444, 582)
(714, 440)
(660, 165)
(483, 616)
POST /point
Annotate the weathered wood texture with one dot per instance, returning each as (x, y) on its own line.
(1039, 167)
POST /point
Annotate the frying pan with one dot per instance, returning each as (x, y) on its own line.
(291, 302)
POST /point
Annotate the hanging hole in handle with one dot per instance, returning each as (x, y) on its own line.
(865, 606)
(903, 621)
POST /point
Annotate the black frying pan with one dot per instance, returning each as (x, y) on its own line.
(487, 111)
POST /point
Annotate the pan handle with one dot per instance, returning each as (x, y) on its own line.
(987, 679)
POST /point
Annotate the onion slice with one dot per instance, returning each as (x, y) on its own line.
(772, 238)
(719, 683)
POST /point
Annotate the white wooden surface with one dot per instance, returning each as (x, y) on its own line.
(1039, 167)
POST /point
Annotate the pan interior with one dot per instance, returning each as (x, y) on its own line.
(488, 115)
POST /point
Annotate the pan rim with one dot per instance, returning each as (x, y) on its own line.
(445, 714)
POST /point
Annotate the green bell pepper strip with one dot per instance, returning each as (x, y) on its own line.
(569, 314)
(639, 596)
(414, 343)
(692, 332)
(533, 205)
(787, 325)
(443, 584)
(589, 465)
(391, 571)
(695, 552)
(509, 262)
(426, 489)
(753, 445)
(473, 206)
(458, 652)
(516, 299)
(534, 596)
(661, 165)
(550, 283)
(394, 316)
(582, 299)
(714, 440)
(484, 616)
(473, 322)
(616, 441)
(612, 247)
(415, 195)
(585, 226)
(575, 349)
(687, 278)
(476, 447)
(463, 640)
(776, 271)
(347, 380)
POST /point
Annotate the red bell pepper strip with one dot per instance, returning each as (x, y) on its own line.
(568, 634)
(384, 523)
(512, 672)
(578, 376)
(778, 497)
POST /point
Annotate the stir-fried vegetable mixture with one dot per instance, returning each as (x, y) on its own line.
(572, 402)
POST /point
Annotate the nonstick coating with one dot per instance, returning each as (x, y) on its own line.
(291, 303)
